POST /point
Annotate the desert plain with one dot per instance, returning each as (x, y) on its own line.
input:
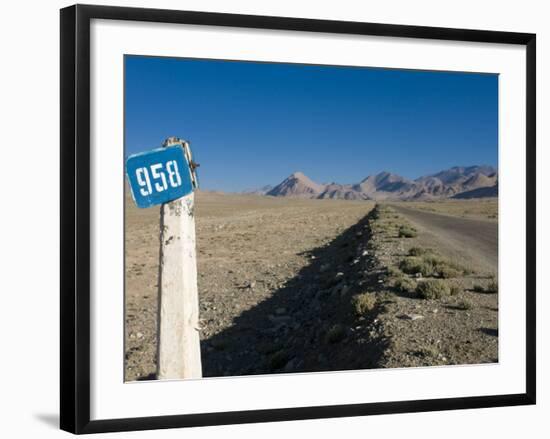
(292, 285)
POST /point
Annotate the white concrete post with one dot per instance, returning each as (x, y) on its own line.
(179, 354)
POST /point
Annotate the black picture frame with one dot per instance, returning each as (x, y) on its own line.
(75, 217)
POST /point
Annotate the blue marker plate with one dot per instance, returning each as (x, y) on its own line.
(159, 176)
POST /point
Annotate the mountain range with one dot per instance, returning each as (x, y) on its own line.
(457, 182)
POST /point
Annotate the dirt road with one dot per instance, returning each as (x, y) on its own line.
(474, 242)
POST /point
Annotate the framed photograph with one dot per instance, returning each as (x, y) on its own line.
(268, 219)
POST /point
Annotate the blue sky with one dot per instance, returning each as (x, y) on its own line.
(252, 124)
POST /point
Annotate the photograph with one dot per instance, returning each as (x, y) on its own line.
(338, 217)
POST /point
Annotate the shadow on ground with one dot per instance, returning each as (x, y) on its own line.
(307, 325)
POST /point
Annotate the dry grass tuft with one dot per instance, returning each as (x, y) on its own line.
(414, 265)
(407, 232)
(430, 265)
(465, 304)
(446, 271)
(490, 288)
(456, 288)
(405, 284)
(433, 289)
(394, 272)
(420, 251)
(363, 303)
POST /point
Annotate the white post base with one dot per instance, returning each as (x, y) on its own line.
(179, 354)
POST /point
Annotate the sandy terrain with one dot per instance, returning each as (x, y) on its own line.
(251, 250)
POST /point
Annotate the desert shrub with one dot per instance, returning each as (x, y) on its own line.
(376, 212)
(435, 260)
(381, 228)
(446, 271)
(465, 304)
(430, 265)
(394, 272)
(381, 212)
(335, 334)
(492, 286)
(420, 251)
(414, 265)
(433, 289)
(455, 288)
(407, 232)
(363, 303)
(442, 267)
(405, 285)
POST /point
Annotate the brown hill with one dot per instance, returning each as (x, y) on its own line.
(387, 186)
(297, 185)
(458, 174)
(384, 182)
(482, 192)
(342, 192)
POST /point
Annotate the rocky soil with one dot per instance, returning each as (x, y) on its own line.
(289, 285)
(461, 326)
(267, 270)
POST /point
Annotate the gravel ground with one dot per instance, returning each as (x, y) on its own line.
(279, 280)
(455, 329)
(261, 262)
